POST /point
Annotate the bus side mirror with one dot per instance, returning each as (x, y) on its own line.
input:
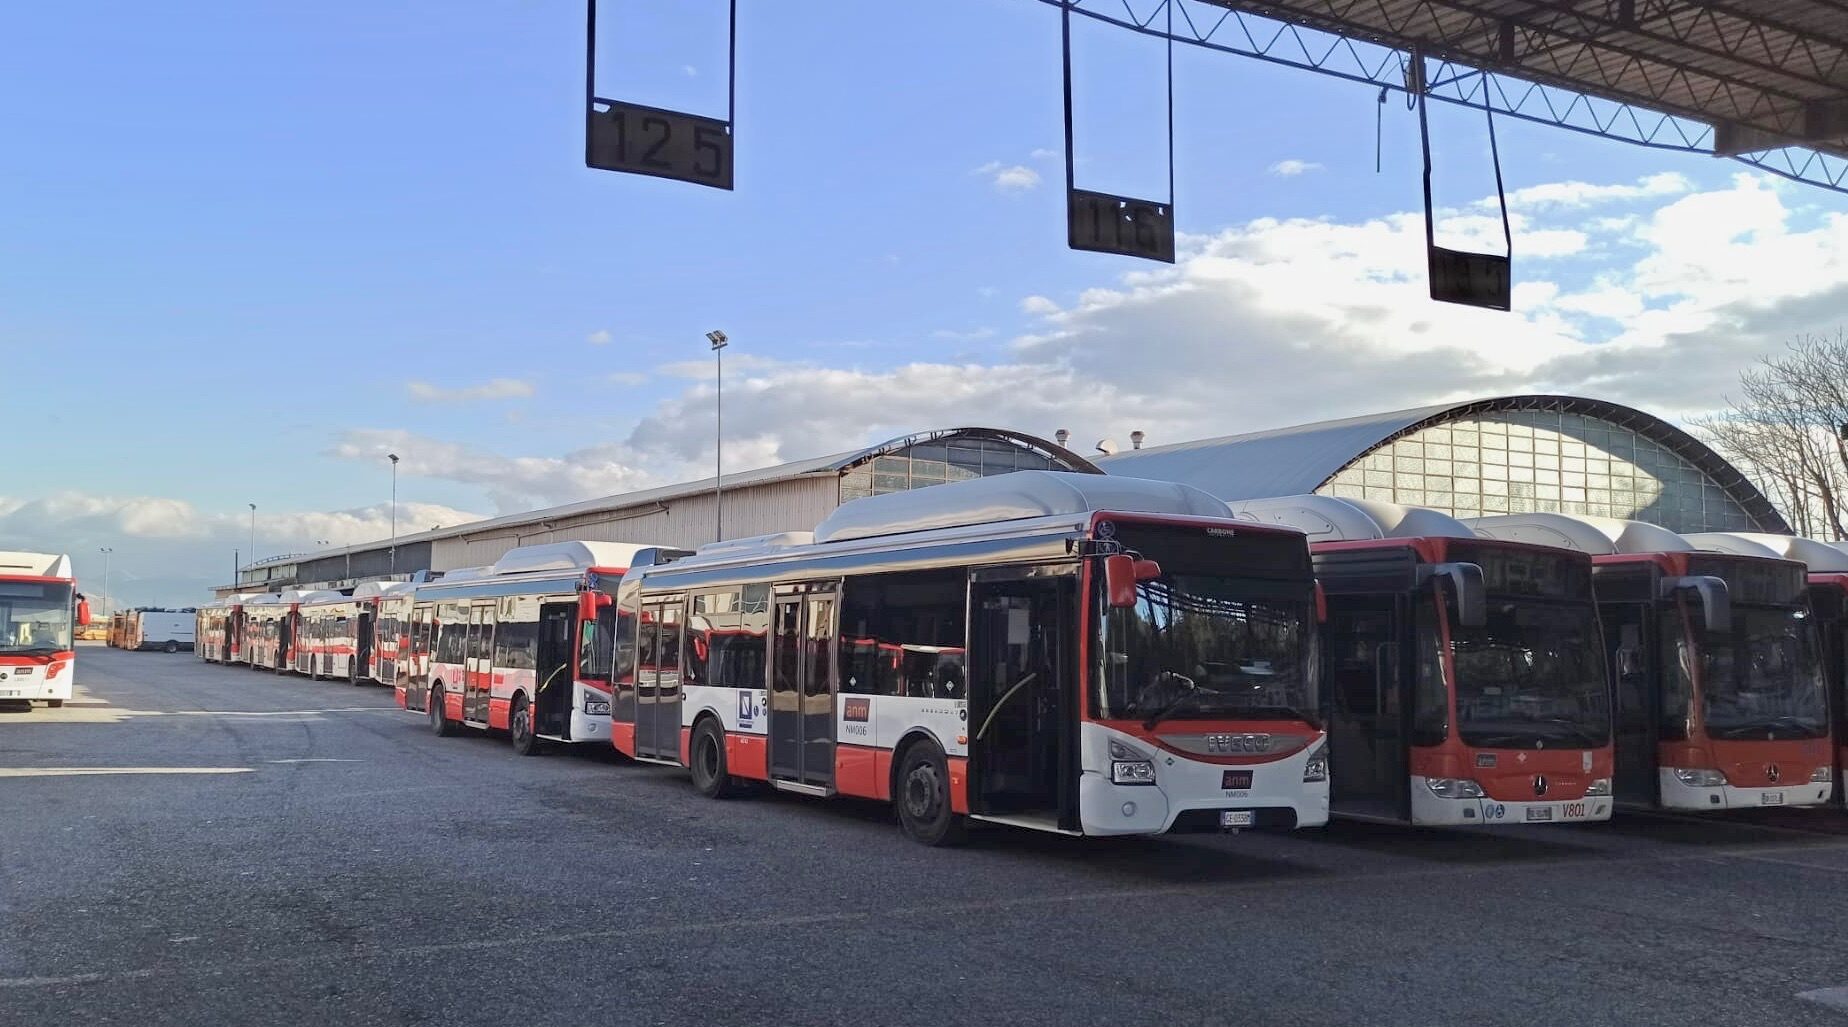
(83, 611)
(587, 606)
(1467, 590)
(1120, 579)
(1715, 600)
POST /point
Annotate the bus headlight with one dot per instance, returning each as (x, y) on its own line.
(1453, 787)
(1699, 777)
(1601, 786)
(1317, 767)
(1130, 765)
(1822, 775)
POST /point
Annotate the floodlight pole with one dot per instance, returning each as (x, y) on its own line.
(718, 341)
(108, 600)
(393, 457)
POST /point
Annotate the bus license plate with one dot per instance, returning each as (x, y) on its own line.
(1771, 798)
(10, 693)
(1237, 818)
(1539, 813)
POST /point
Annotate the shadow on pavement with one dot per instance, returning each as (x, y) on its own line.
(1454, 845)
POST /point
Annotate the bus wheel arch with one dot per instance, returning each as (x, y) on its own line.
(706, 760)
(921, 791)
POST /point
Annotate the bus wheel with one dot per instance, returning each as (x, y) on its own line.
(353, 672)
(924, 796)
(439, 720)
(710, 775)
(520, 727)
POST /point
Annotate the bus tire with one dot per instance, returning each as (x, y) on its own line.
(353, 672)
(520, 727)
(706, 756)
(440, 724)
(923, 796)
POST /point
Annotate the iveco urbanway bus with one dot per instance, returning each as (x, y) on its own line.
(1064, 652)
(1714, 658)
(512, 647)
(1464, 681)
(39, 614)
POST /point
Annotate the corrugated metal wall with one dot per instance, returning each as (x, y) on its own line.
(687, 522)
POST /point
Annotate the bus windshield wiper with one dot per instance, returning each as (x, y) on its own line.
(1173, 706)
(31, 650)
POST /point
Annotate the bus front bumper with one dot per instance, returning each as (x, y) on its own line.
(1429, 809)
(1187, 797)
(1678, 795)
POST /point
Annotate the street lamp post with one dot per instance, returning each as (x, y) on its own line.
(253, 532)
(108, 602)
(394, 513)
(718, 340)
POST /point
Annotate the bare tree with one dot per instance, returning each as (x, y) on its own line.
(1788, 431)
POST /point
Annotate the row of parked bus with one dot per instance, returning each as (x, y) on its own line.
(1102, 655)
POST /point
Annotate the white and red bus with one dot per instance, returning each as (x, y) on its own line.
(1464, 681)
(1070, 653)
(272, 628)
(382, 630)
(40, 612)
(1826, 564)
(219, 629)
(513, 647)
(1715, 661)
(323, 640)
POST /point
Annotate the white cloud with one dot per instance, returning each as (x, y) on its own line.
(1292, 167)
(497, 388)
(1043, 153)
(512, 483)
(1009, 177)
(969, 335)
(626, 377)
(600, 337)
(689, 70)
(1038, 305)
(1573, 195)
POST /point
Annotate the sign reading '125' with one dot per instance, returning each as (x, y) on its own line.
(663, 143)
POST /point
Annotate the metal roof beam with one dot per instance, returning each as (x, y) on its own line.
(1674, 24)
(1827, 56)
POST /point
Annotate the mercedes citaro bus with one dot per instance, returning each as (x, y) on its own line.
(1463, 676)
(1064, 652)
(1715, 660)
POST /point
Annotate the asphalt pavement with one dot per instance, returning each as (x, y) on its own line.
(265, 849)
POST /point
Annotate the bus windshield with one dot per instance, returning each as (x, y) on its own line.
(1531, 677)
(1763, 679)
(35, 617)
(1198, 647)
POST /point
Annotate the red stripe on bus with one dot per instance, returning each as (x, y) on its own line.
(959, 784)
(747, 756)
(686, 746)
(856, 771)
(498, 715)
(622, 736)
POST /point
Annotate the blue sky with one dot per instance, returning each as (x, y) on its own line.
(236, 236)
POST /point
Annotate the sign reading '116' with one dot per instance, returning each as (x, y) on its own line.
(1104, 223)
(666, 144)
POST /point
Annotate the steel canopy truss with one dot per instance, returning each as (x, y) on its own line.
(1764, 82)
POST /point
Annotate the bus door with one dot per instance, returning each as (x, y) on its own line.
(363, 649)
(657, 680)
(478, 665)
(423, 637)
(802, 688)
(552, 670)
(1636, 717)
(1368, 707)
(1023, 713)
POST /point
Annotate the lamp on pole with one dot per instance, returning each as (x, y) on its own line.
(107, 602)
(253, 532)
(393, 457)
(718, 340)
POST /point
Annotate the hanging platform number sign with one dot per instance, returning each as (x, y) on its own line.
(663, 143)
(1104, 223)
(639, 140)
(1473, 279)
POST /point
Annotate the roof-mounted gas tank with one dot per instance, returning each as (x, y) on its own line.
(1599, 536)
(1335, 519)
(35, 565)
(1819, 557)
(1020, 495)
(568, 556)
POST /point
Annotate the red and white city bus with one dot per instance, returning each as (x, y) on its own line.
(40, 612)
(1716, 665)
(263, 628)
(513, 647)
(325, 641)
(1464, 681)
(383, 629)
(219, 629)
(1065, 652)
(1827, 566)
